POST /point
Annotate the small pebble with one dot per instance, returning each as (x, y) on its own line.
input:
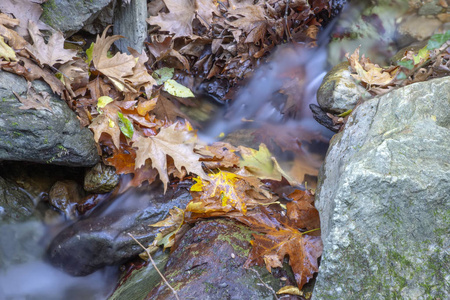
(232, 255)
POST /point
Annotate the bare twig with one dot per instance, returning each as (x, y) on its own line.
(154, 265)
(288, 33)
(265, 284)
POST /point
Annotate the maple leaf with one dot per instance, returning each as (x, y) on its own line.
(178, 144)
(182, 13)
(224, 194)
(281, 239)
(25, 11)
(165, 109)
(50, 53)
(225, 188)
(127, 72)
(107, 122)
(219, 154)
(35, 100)
(251, 19)
(368, 72)
(178, 20)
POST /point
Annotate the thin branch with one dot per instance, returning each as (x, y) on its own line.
(154, 265)
(265, 284)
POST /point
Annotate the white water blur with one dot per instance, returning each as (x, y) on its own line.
(38, 280)
(254, 103)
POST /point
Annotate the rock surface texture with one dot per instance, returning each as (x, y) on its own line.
(383, 199)
(69, 16)
(41, 136)
(208, 265)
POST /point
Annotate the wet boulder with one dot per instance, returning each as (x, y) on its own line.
(208, 264)
(383, 198)
(102, 238)
(41, 136)
(339, 92)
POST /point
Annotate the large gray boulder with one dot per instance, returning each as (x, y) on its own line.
(41, 136)
(383, 199)
(69, 16)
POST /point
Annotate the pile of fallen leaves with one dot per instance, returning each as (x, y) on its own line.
(122, 98)
(431, 61)
(226, 39)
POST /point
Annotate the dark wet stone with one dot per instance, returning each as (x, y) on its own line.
(15, 204)
(208, 264)
(65, 195)
(322, 118)
(101, 179)
(50, 137)
(102, 238)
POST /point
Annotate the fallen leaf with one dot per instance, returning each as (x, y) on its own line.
(281, 239)
(369, 73)
(35, 100)
(219, 154)
(12, 37)
(25, 11)
(127, 72)
(107, 122)
(291, 290)
(176, 89)
(171, 225)
(178, 20)
(50, 53)
(6, 52)
(165, 109)
(177, 144)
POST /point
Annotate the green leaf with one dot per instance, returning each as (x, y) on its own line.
(401, 76)
(176, 89)
(409, 64)
(103, 101)
(423, 53)
(162, 75)
(89, 53)
(437, 40)
(125, 125)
